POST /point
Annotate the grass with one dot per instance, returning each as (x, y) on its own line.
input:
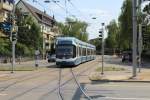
(28, 68)
(110, 69)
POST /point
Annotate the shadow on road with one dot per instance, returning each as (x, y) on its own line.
(52, 66)
(78, 94)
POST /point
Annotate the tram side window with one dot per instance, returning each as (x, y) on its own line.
(74, 51)
(83, 52)
(77, 51)
(92, 52)
(88, 51)
(80, 51)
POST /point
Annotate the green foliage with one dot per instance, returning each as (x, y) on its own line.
(112, 40)
(125, 21)
(28, 38)
(97, 42)
(74, 28)
(29, 35)
(5, 49)
(23, 50)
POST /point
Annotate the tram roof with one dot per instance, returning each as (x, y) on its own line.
(77, 41)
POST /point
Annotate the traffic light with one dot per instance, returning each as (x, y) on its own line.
(101, 34)
(14, 36)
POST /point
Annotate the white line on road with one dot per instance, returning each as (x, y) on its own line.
(3, 94)
(119, 98)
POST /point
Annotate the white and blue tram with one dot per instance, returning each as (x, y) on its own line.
(71, 51)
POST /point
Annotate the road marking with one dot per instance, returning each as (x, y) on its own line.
(119, 98)
(124, 85)
(3, 94)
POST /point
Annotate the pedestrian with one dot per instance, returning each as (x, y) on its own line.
(37, 53)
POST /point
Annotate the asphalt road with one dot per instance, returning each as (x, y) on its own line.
(43, 85)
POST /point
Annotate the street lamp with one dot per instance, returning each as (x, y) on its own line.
(48, 1)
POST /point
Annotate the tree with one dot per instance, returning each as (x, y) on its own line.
(125, 22)
(98, 43)
(74, 28)
(112, 41)
(29, 33)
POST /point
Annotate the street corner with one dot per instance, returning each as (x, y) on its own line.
(141, 77)
(95, 76)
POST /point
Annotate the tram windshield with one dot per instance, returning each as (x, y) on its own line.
(64, 52)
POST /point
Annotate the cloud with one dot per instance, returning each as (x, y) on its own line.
(95, 24)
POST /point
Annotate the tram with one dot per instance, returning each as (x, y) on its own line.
(71, 51)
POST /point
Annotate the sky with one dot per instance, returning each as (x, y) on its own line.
(103, 10)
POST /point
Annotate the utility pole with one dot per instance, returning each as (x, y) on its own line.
(102, 48)
(43, 38)
(134, 48)
(139, 46)
(101, 36)
(13, 37)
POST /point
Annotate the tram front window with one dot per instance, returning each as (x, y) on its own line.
(64, 52)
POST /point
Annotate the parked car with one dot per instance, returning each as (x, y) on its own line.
(51, 58)
(127, 56)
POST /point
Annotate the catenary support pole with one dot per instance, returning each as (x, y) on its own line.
(140, 46)
(134, 46)
(13, 41)
(102, 72)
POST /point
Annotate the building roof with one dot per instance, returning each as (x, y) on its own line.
(41, 16)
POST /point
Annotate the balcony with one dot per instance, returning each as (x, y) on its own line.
(6, 6)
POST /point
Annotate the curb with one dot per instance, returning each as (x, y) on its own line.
(131, 81)
(114, 78)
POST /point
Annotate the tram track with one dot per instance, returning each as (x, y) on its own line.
(54, 78)
(24, 78)
(67, 81)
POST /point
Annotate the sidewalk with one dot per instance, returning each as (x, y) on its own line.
(27, 63)
(121, 76)
(7, 74)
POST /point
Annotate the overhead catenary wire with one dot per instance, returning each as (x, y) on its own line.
(76, 8)
(63, 8)
(41, 5)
